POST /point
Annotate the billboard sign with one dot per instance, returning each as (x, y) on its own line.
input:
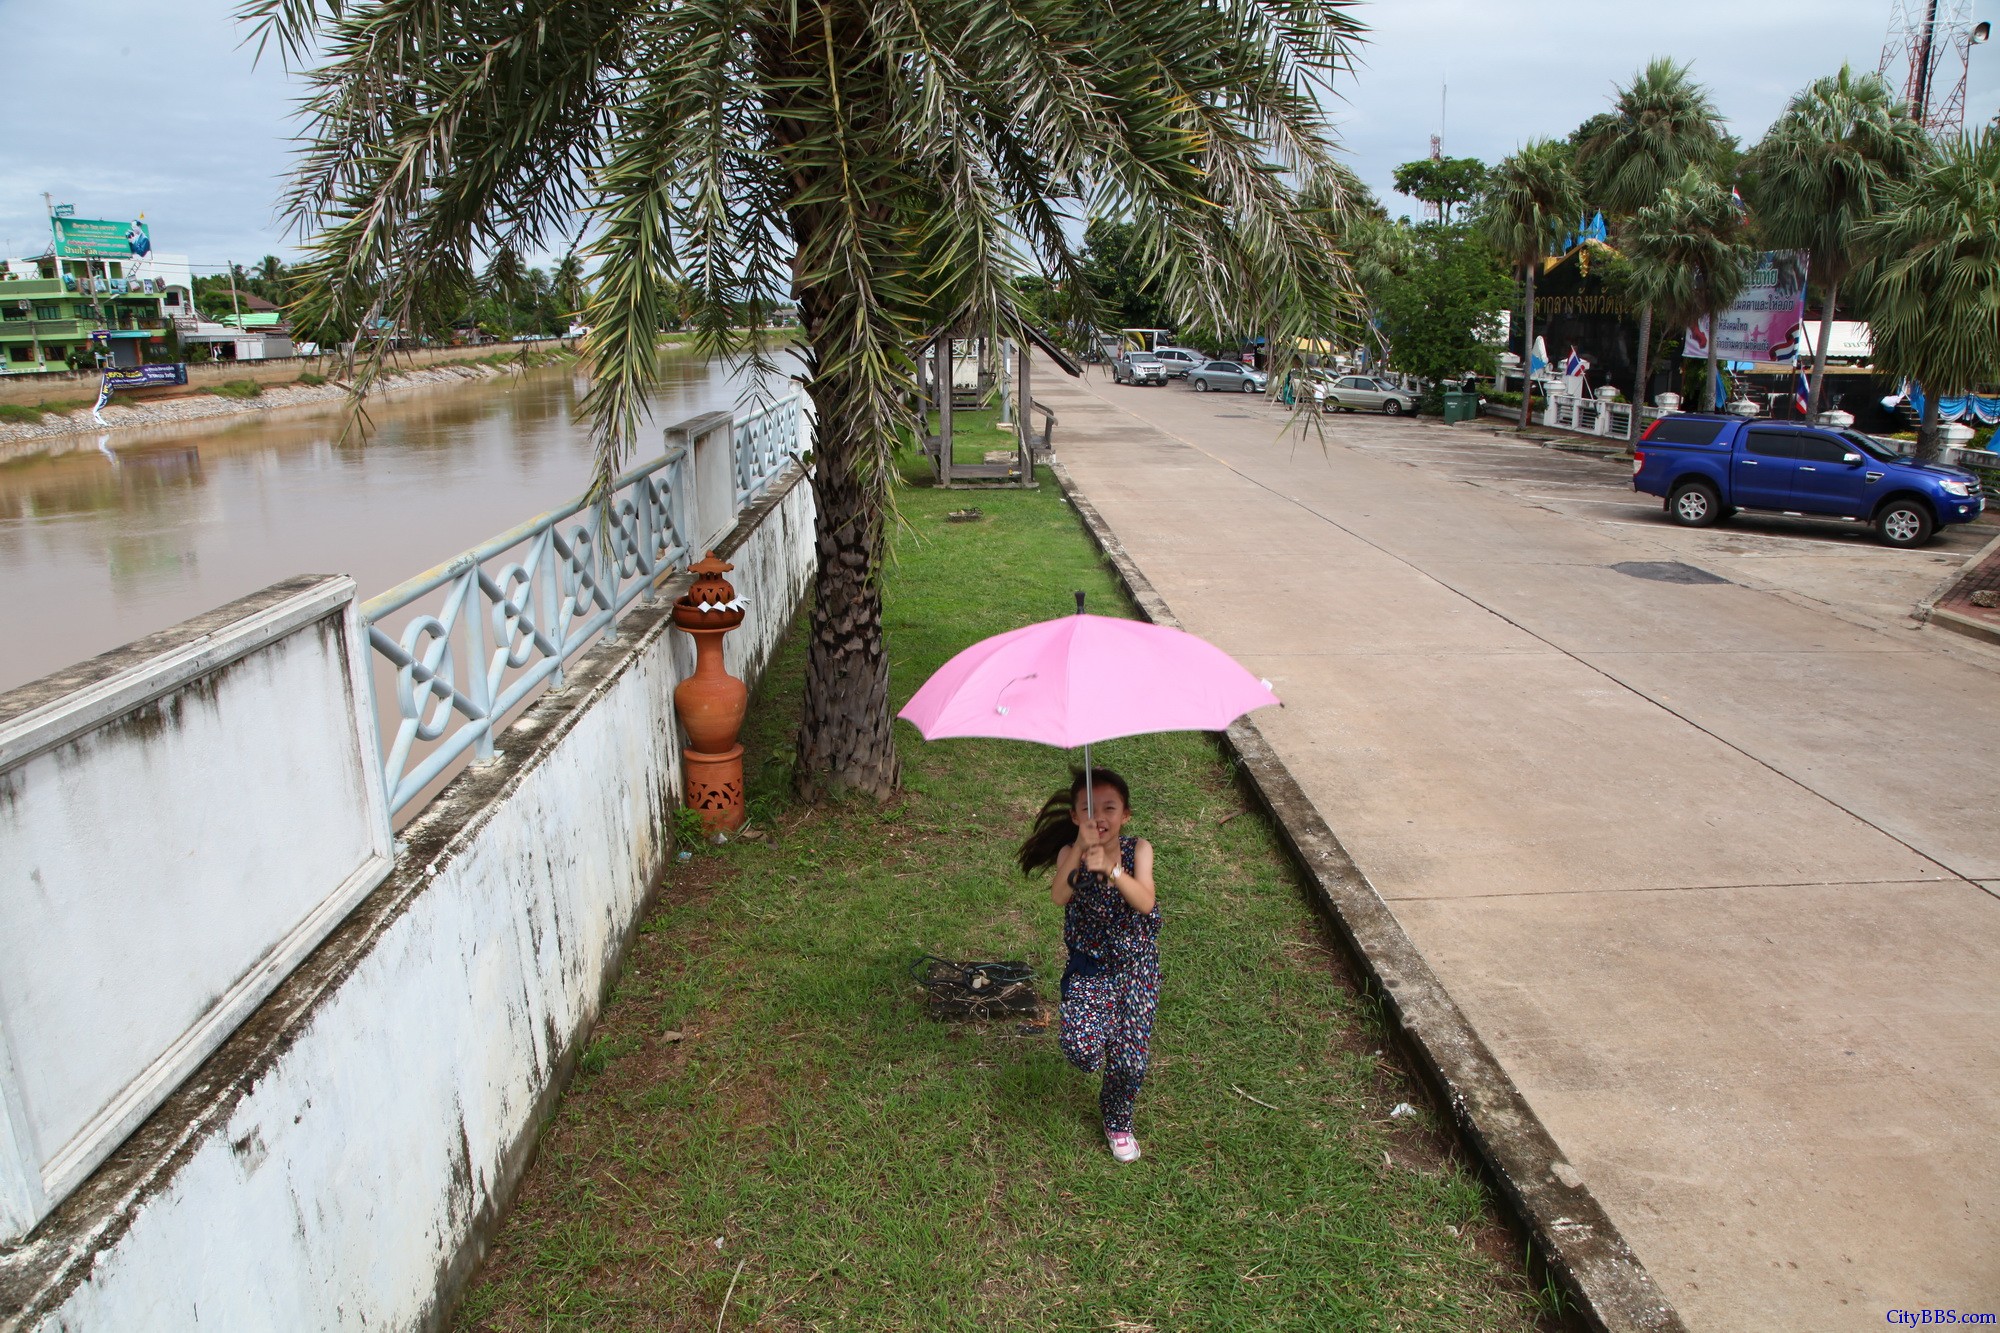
(146, 377)
(95, 238)
(1764, 322)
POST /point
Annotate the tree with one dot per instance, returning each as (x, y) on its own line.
(1659, 125)
(1533, 200)
(1444, 183)
(1934, 291)
(568, 286)
(1124, 287)
(1434, 311)
(1688, 255)
(886, 167)
(1822, 170)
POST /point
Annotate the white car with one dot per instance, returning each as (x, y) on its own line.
(1361, 393)
(1138, 368)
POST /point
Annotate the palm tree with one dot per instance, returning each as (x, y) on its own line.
(890, 168)
(1531, 200)
(1934, 291)
(1659, 125)
(1822, 170)
(506, 276)
(1688, 255)
(568, 285)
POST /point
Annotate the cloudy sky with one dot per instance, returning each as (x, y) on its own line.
(124, 108)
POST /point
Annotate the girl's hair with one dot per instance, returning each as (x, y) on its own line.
(1054, 829)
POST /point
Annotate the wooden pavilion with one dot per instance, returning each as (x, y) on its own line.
(999, 366)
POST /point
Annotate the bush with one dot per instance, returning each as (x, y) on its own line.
(236, 389)
(25, 416)
(310, 380)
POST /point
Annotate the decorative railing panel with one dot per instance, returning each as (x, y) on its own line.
(473, 638)
(765, 440)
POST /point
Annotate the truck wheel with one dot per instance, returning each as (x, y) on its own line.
(1201, 386)
(1694, 504)
(1392, 408)
(1904, 523)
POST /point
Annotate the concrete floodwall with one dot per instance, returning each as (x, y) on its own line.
(340, 1161)
(28, 390)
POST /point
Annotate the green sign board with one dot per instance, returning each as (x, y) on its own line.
(93, 238)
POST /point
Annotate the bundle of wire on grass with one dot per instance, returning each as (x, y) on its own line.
(976, 990)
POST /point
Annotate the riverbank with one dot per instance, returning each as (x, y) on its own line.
(60, 419)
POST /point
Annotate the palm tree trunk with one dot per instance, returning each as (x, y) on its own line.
(1644, 367)
(1713, 389)
(1528, 351)
(1819, 353)
(1927, 429)
(845, 739)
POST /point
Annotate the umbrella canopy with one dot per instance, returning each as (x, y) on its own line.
(1082, 679)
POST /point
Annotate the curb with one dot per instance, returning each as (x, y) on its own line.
(1575, 1239)
(1929, 612)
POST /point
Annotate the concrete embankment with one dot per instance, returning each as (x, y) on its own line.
(277, 391)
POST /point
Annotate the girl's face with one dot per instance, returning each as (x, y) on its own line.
(1106, 816)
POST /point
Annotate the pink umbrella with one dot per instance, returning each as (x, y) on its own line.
(1083, 679)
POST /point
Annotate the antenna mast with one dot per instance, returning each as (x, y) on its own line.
(1927, 54)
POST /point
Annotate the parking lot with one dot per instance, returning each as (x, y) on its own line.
(1840, 567)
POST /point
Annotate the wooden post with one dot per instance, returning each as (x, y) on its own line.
(943, 389)
(1024, 414)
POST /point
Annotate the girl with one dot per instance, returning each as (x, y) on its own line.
(1111, 925)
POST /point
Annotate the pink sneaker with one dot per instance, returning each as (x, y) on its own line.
(1123, 1146)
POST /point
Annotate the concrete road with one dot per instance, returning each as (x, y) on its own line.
(1711, 864)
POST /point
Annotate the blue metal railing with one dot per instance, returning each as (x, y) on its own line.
(519, 606)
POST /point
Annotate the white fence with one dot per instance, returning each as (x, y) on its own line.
(1591, 416)
(185, 820)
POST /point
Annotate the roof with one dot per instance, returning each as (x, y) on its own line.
(1036, 336)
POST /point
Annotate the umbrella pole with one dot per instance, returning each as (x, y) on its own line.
(1089, 793)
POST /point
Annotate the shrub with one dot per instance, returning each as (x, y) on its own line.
(310, 380)
(237, 389)
(15, 412)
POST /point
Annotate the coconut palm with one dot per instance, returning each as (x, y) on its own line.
(1822, 170)
(1687, 254)
(1531, 200)
(1934, 291)
(1659, 125)
(890, 167)
(568, 285)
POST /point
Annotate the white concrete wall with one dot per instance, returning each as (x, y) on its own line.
(341, 1166)
(159, 879)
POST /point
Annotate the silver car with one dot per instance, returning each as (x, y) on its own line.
(1138, 368)
(1360, 393)
(1178, 361)
(1226, 376)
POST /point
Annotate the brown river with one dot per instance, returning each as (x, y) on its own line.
(116, 536)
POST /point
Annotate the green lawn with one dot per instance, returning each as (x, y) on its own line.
(765, 1076)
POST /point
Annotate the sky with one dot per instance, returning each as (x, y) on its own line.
(123, 108)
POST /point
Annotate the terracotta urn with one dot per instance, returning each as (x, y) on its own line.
(711, 702)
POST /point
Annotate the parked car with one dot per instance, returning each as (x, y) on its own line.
(1226, 375)
(1130, 367)
(1708, 466)
(1178, 361)
(1363, 393)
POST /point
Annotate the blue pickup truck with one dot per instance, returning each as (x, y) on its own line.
(1708, 467)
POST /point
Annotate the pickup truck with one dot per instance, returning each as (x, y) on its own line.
(1708, 467)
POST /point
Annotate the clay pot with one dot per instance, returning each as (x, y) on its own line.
(711, 702)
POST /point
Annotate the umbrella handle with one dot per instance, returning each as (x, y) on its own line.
(1079, 601)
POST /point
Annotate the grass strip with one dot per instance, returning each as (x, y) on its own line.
(764, 1102)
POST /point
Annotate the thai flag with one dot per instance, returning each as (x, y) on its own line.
(1802, 393)
(1573, 366)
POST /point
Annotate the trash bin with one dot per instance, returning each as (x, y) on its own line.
(1460, 407)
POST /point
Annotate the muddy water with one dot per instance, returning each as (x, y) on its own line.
(120, 536)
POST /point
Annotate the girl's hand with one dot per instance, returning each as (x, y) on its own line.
(1099, 857)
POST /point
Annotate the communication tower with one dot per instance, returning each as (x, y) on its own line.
(1927, 54)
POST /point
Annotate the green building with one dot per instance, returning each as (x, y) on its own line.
(98, 296)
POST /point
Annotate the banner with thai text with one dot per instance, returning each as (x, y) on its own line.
(1763, 323)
